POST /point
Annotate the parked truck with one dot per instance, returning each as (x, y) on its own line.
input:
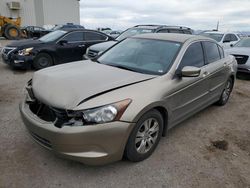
(10, 28)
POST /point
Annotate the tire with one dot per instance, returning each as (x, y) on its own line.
(226, 93)
(42, 60)
(12, 32)
(139, 143)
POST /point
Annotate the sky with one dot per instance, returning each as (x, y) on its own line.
(197, 14)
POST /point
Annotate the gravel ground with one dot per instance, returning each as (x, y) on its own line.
(185, 158)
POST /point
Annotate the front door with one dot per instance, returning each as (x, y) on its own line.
(71, 47)
(189, 93)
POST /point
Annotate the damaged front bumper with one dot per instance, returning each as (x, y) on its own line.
(92, 145)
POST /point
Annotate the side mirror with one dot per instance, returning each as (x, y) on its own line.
(190, 71)
(63, 42)
(231, 45)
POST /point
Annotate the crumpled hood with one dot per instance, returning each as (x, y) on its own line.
(238, 51)
(65, 86)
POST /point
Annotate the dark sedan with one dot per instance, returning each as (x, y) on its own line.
(54, 48)
(34, 31)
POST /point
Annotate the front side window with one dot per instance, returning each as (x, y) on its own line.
(93, 36)
(193, 56)
(74, 37)
(227, 38)
(146, 56)
(55, 35)
(211, 51)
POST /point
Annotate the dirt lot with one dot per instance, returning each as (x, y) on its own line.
(187, 157)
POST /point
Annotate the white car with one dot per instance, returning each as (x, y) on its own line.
(241, 52)
(224, 39)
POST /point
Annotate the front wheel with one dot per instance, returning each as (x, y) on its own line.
(226, 92)
(42, 60)
(145, 136)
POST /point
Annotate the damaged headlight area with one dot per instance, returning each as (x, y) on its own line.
(25, 51)
(99, 115)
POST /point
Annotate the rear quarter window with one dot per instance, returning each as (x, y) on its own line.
(211, 51)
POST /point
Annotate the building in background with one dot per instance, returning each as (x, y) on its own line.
(42, 12)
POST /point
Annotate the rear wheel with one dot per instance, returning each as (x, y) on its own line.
(226, 92)
(42, 60)
(12, 32)
(145, 136)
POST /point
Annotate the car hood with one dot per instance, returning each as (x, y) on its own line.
(238, 50)
(25, 43)
(65, 86)
(102, 46)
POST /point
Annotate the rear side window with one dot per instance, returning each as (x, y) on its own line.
(193, 56)
(187, 32)
(175, 31)
(233, 37)
(93, 36)
(74, 37)
(211, 51)
(162, 31)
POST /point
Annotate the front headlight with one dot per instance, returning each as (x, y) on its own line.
(25, 51)
(103, 114)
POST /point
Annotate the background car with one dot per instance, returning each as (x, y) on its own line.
(241, 51)
(224, 39)
(54, 48)
(94, 50)
(126, 100)
(67, 26)
(34, 31)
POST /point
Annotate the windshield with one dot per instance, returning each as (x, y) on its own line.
(52, 36)
(132, 32)
(245, 42)
(142, 55)
(215, 36)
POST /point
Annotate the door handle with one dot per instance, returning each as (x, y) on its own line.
(205, 74)
(81, 45)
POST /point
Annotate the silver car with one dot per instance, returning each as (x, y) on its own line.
(241, 51)
(125, 101)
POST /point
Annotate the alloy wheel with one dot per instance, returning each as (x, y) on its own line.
(147, 135)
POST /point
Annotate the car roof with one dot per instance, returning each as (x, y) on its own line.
(171, 37)
(162, 26)
(219, 32)
(81, 29)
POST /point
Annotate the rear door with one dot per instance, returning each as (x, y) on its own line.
(217, 68)
(189, 93)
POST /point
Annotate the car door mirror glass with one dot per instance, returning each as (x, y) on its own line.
(190, 71)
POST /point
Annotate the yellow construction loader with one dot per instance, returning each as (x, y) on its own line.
(10, 28)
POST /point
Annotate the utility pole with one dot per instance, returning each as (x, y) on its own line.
(217, 28)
